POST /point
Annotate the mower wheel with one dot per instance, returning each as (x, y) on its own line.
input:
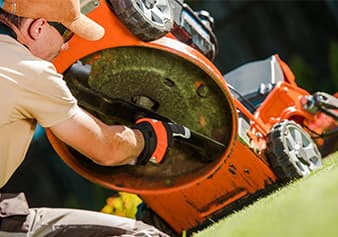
(147, 19)
(291, 151)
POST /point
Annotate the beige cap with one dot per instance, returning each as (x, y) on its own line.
(66, 12)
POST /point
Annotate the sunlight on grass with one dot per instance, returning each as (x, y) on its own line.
(307, 207)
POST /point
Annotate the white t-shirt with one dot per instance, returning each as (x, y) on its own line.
(31, 91)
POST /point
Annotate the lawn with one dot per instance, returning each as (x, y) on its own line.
(306, 207)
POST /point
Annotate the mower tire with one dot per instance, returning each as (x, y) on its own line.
(291, 151)
(147, 19)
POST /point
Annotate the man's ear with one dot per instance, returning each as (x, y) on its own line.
(36, 28)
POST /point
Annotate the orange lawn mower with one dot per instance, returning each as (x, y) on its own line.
(253, 128)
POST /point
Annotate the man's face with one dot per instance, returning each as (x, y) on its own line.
(43, 39)
(52, 42)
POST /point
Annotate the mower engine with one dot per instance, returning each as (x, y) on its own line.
(194, 29)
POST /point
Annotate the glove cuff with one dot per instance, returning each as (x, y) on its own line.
(156, 140)
(150, 142)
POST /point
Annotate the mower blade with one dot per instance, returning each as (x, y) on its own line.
(207, 148)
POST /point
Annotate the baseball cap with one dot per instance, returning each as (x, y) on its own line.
(66, 12)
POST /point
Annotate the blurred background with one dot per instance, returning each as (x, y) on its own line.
(303, 33)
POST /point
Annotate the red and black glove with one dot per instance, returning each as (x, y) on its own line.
(158, 137)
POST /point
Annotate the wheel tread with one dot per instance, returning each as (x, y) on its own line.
(136, 23)
(278, 154)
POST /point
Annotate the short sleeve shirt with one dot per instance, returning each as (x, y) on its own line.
(31, 92)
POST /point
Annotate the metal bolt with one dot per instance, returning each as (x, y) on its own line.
(202, 90)
(259, 135)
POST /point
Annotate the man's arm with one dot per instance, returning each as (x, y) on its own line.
(105, 145)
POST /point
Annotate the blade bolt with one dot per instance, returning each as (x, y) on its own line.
(202, 90)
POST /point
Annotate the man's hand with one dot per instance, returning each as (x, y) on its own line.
(158, 137)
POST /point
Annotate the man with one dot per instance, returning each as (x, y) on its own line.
(32, 32)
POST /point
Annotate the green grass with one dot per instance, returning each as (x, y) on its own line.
(307, 207)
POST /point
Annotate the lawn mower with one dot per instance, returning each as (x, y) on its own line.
(254, 126)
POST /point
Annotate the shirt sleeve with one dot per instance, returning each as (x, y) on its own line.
(45, 96)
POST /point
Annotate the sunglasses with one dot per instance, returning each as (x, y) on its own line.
(64, 32)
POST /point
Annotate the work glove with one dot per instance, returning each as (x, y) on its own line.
(158, 137)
